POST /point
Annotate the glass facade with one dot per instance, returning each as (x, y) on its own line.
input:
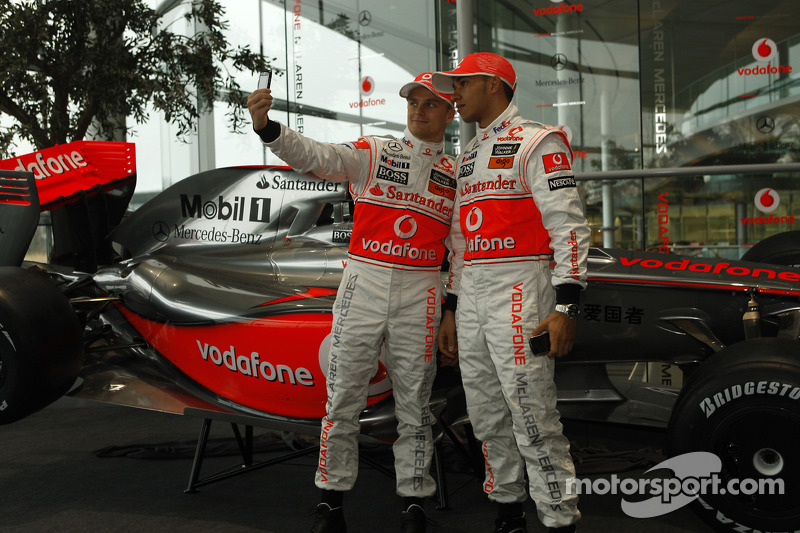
(639, 86)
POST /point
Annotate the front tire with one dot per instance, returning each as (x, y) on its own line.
(41, 345)
(743, 405)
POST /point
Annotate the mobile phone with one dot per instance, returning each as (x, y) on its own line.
(540, 344)
(265, 79)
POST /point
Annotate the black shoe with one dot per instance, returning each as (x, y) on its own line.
(413, 520)
(327, 520)
(510, 525)
(565, 529)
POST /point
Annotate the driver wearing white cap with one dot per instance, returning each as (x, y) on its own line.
(391, 289)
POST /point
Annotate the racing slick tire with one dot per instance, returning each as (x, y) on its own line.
(743, 404)
(780, 249)
(41, 347)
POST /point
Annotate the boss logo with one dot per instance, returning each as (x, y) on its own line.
(390, 174)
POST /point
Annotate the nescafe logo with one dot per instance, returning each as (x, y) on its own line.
(764, 50)
(767, 200)
(367, 85)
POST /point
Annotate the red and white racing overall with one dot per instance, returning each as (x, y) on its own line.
(391, 293)
(517, 207)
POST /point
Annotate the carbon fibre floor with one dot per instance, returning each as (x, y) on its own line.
(51, 480)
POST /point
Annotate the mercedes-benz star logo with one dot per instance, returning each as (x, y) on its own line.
(161, 231)
(394, 146)
(364, 18)
(558, 62)
(765, 124)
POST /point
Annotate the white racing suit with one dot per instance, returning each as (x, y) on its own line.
(517, 207)
(391, 293)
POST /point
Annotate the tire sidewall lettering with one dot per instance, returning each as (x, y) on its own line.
(747, 389)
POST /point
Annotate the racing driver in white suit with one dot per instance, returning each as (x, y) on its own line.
(517, 209)
(391, 290)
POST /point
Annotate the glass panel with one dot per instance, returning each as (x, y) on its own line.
(717, 216)
(577, 68)
(719, 83)
(636, 84)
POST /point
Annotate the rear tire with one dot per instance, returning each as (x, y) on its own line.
(743, 405)
(41, 346)
(780, 249)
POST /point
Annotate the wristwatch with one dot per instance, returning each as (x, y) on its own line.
(571, 310)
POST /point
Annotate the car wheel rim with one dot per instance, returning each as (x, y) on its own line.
(757, 443)
(768, 462)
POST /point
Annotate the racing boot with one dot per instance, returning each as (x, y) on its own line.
(328, 520)
(510, 525)
(413, 520)
(510, 518)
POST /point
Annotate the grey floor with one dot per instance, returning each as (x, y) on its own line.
(51, 480)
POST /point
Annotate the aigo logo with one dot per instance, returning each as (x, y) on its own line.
(764, 50)
(405, 227)
(767, 200)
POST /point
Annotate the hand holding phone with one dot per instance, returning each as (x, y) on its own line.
(265, 79)
(540, 344)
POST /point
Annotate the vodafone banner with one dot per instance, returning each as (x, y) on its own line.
(65, 171)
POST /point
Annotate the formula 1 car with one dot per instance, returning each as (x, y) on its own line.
(217, 293)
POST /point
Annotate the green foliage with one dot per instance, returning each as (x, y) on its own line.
(69, 64)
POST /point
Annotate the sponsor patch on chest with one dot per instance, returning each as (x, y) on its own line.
(441, 184)
(555, 162)
(390, 174)
(501, 162)
(466, 170)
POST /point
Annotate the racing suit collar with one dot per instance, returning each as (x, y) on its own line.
(498, 126)
(420, 147)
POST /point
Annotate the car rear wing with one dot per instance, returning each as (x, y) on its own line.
(85, 185)
(19, 215)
